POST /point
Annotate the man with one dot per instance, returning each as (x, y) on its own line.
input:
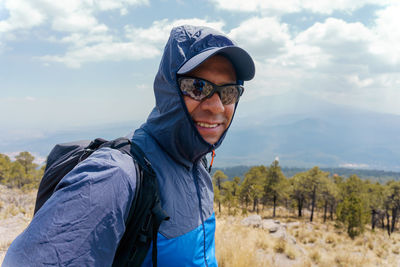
(197, 89)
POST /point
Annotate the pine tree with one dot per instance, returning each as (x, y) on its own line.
(252, 186)
(329, 195)
(315, 181)
(275, 185)
(5, 168)
(353, 210)
(298, 191)
(218, 177)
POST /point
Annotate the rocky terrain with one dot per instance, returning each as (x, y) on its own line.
(259, 240)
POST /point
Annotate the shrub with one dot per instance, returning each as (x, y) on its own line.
(280, 245)
(262, 244)
(315, 256)
(359, 242)
(312, 239)
(291, 253)
(330, 239)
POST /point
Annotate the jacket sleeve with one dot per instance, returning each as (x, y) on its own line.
(83, 221)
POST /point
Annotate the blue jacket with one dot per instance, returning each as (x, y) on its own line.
(83, 221)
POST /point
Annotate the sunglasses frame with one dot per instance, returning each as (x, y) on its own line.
(216, 88)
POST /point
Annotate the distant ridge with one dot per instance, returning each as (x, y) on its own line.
(372, 175)
(304, 131)
(301, 130)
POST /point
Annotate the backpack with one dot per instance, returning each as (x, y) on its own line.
(145, 214)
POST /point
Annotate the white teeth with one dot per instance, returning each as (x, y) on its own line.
(206, 125)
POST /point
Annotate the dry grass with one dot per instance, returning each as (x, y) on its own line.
(316, 244)
(14, 202)
(16, 211)
(240, 246)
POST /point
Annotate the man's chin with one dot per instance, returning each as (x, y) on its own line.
(211, 139)
(211, 135)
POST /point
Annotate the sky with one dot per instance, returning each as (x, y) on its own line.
(70, 63)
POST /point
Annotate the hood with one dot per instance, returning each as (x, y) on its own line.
(169, 123)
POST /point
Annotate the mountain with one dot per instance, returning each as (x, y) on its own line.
(40, 142)
(301, 130)
(313, 132)
(372, 175)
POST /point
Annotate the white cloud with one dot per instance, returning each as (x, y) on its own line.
(388, 35)
(141, 43)
(117, 51)
(335, 41)
(88, 39)
(72, 22)
(329, 58)
(123, 11)
(238, 5)
(271, 79)
(69, 16)
(339, 47)
(263, 43)
(334, 60)
(22, 15)
(333, 31)
(81, 40)
(358, 82)
(119, 4)
(159, 31)
(327, 6)
(292, 6)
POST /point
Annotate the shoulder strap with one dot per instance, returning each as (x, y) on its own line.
(145, 214)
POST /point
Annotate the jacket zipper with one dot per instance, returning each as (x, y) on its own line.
(201, 210)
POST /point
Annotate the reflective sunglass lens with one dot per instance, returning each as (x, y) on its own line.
(229, 95)
(199, 89)
(188, 87)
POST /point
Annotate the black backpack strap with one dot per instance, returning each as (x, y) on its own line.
(141, 159)
(159, 216)
(96, 143)
(122, 144)
(145, 214)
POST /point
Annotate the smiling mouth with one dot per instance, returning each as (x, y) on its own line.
(207, 125)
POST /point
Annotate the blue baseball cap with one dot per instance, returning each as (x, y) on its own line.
(240, 59)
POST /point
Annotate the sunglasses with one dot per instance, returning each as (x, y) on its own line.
(200, 89)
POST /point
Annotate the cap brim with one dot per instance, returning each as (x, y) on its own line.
(240, 59)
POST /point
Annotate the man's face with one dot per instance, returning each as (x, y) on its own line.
(210, 116)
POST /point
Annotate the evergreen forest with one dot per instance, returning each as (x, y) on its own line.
(349, 200)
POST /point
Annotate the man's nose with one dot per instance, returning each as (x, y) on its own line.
(213, 104)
